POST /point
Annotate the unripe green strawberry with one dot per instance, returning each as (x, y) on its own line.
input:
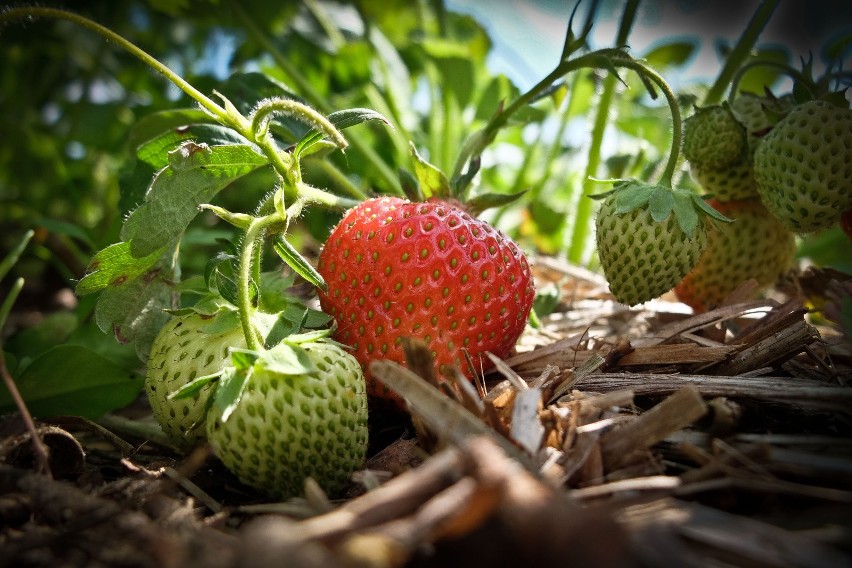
(731, 183)
(644, 249)
(713, 138)
(803, 167)
(735, 181)
(188, 346)
(755, 245)
(302, 413)
(428, 271)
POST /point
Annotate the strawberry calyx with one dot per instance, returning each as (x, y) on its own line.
(662, 201)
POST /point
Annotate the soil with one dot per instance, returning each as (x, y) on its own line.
(613, 437)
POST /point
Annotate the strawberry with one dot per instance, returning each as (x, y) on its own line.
(644, 249)
(187, 347)
(755, 245)
(713, 138)
(300, 411)
(734, 180)
(430, 271)
(730, 183)
(803, 167)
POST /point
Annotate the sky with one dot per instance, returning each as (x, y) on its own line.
(528, 34)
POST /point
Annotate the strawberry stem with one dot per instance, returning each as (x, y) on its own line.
(248, 266)
(13, 14)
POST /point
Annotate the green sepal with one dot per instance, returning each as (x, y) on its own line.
(433, 182)
(685, 212)
(288, 359)
(631, 195)
(238, 220)
(660, 203)
(488, 200)
(232, 385)
(194, 386)
(701, 203)
(308, 336)
(298, 262)
(409, 185)
(243, 359)
(341, 120)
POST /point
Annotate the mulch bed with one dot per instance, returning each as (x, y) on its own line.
(613, 437)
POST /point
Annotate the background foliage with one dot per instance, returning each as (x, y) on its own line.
(74, 111)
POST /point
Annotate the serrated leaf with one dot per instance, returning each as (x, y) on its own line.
(232, 385)
(195, 174)
(73, 380)
(432, 181)
(298, 263)
(685, 213)
(173, 121)
(288, 359)
(114, 266)
(660, 203)
(135, 312)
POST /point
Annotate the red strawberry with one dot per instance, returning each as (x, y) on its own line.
(429, 271)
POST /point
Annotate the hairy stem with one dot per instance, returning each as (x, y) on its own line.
(252, 238)
(13, 14)
(585, 206)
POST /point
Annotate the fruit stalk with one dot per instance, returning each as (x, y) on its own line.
(39, 12)
(253, 236)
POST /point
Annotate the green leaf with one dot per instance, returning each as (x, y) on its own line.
(702, 205)
(196, 173)
(298, 263)
(671, 53)
(10, 259)
(73, 380)
(155, 125)
(660, 203)
(288, 359)
(114, 266)
(135, 312)
(433, 182)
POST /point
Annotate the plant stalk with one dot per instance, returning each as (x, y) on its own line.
(585, 207)
(741, 51)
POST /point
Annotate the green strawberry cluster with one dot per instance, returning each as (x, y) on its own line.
(793, 175)
(273, 417)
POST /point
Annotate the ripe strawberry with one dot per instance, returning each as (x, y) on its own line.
(644, 249)
(301, 412)
(429, 271)
(188, 346)
(713, 138)
(755, 245)
(803, 167)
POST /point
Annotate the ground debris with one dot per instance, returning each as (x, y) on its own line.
(612, 437)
